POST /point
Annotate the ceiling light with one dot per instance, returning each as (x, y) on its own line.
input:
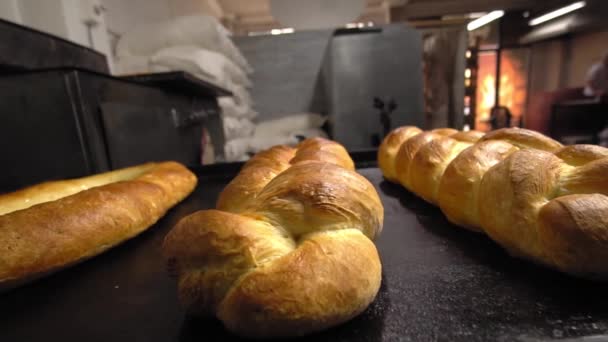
(282, 31)
(479, 22)
(557, 13)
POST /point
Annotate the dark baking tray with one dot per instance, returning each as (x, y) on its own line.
(439, 283)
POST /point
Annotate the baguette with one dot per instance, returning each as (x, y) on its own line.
(289, 251)
(50, 226)
(536, 198)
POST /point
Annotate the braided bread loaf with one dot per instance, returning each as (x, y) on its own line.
(289, 250)
(539, 200)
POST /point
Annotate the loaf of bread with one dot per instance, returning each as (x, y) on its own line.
(536, 198)
(50, 226)
(289, 250)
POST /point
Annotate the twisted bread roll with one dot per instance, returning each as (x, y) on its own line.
(539, 200)
(458, 190)
(289, 251)
(50, 226)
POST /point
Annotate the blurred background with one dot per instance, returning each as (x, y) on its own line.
(102, 84)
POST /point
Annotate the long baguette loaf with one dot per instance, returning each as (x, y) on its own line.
(536, 198)
(50, 226)
(289, 252)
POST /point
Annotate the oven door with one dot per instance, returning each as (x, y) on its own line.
(138, 134)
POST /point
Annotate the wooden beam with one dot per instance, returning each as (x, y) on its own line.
(427, 8)
(432, 23)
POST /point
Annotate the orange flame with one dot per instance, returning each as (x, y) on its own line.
(513, 84)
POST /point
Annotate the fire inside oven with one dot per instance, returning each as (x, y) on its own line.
(513, 86)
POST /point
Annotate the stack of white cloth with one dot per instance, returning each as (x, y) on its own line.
(201, 46)
(287, 130)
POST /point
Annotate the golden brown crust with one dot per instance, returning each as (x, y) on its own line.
(54, 190)
(406, 154)
(576, 220)
(524, 138)
(561, 214)
(588, 178)
(537, 199)
(323, 150)
(431, 160)
(292, 256)
(512, 192)
(266, 165)
(467, 136)
(459, 186)
(578, 155)
(51, 235)
(228, 245)
(329, 279)
(387, 151)
(253, 177)
(458, 193)
(315, 197)
(444, 131)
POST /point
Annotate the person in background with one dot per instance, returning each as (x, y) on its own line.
(597, 78)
